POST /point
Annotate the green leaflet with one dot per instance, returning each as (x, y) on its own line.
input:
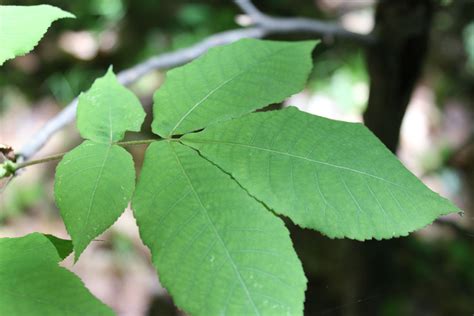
(95, 181)
(107, 110)
(93, 185)
(32, 282)
(331, 176)
(21, 27)
(230, 81)
(217, 250)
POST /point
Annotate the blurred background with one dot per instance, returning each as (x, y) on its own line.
(415, 86)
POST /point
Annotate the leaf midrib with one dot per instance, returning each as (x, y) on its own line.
(94, 190)
(231, 260)
(327, 164)
(220, 85)
(110, 124)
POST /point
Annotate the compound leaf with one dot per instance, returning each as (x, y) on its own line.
(217, 250)
(93, 185)
(335, 177)
(32, 282)
(230, 81)
(108, 110)
(21, 27)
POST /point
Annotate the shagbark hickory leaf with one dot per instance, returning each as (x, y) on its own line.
(217, 250)
(230, 81)
(108, 110)
(93, 185)
(332, 176)
(32, 282)
(21, 27)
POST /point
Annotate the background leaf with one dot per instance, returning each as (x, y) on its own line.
(21, 27)
(335, 177)
(94, 183)
(217, 250)
(32, 282)
(107, 110)
(228, 82)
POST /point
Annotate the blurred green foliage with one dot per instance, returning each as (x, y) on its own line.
(468, 35)
(335, 72)
(19, 199)
(452, 51)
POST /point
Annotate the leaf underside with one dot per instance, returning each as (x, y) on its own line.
(93, 185)
(21, 27)
(332, 176)
(217, 250)
(63, 246)
(230, 81)
(32, 282)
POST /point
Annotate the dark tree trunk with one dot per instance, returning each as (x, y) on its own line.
(395, 62)
(358, 277)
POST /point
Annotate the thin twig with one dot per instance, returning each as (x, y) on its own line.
(55, 157)
(277, 25)
(264, 26)
(28, 163)
(251, 10)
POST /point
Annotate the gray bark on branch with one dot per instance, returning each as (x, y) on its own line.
(263, 25)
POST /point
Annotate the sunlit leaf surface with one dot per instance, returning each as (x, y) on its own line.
(21, 27)
(230, 81)
(332, 176)
(217, 250)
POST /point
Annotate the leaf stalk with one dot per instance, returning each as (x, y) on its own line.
(59, 156)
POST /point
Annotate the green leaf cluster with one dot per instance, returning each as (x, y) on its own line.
(212, 185)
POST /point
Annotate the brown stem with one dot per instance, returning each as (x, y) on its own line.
(59, 156)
